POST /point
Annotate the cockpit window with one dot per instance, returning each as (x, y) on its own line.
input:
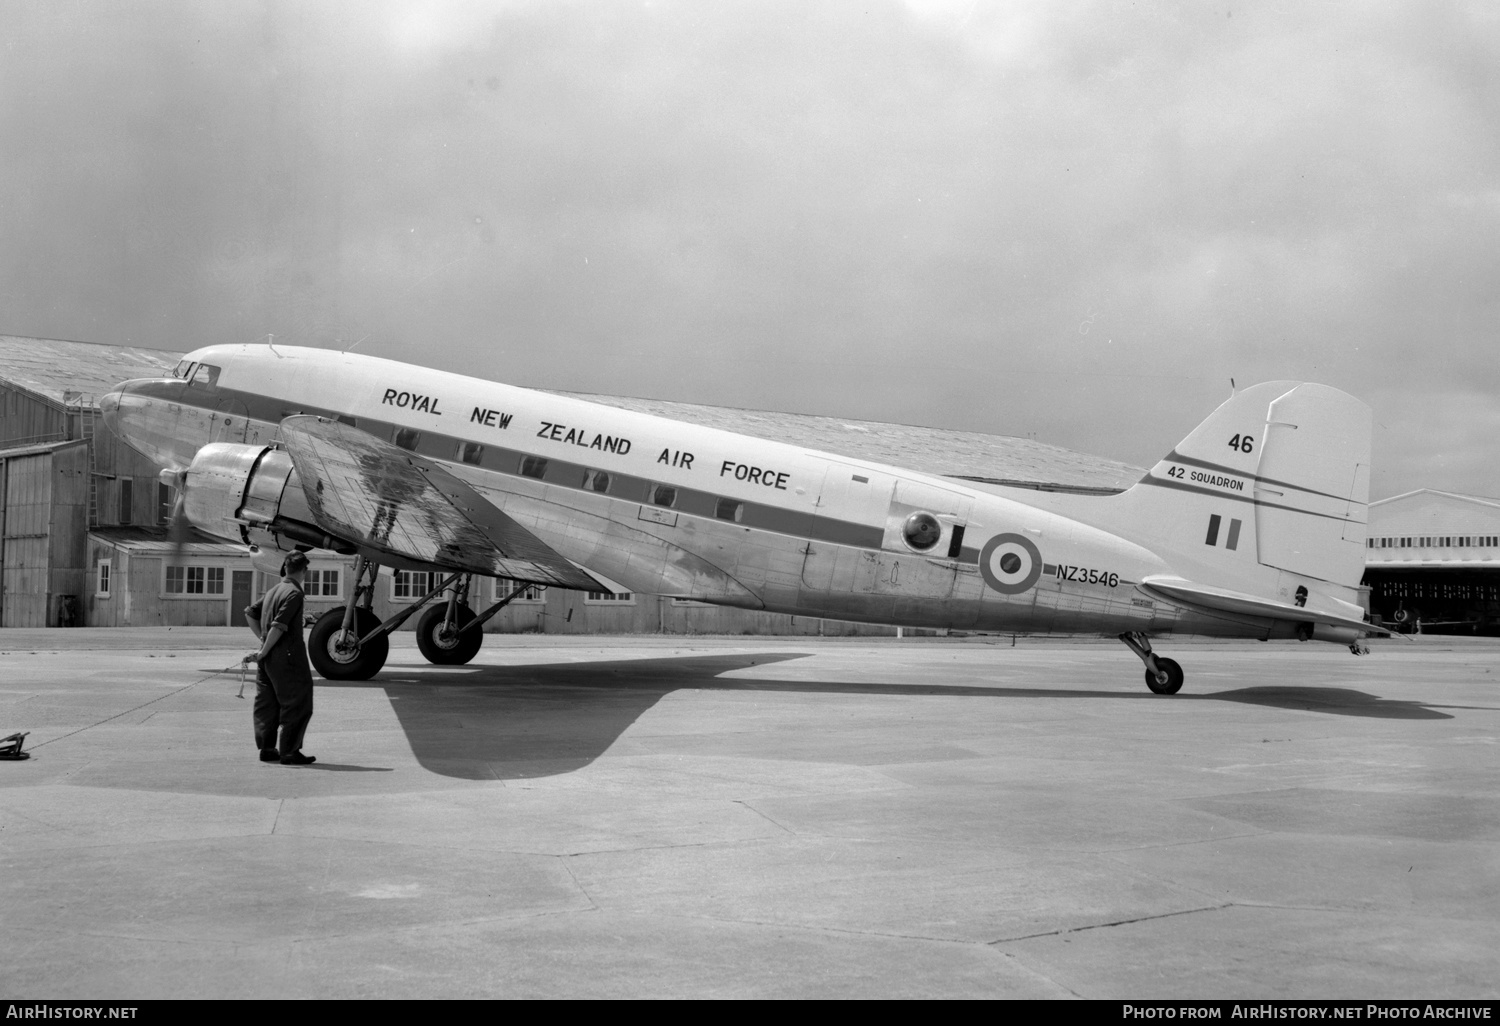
(183, 369)
(206, 374)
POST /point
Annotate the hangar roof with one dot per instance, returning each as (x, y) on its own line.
(154, 541)
(997, 459)
(67, 371)
(37, 448)
(1432, 530)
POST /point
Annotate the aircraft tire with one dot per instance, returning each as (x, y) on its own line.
(331, 663)
(1174, 677)
(443, 651)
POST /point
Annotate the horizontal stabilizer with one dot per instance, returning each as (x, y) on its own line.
(1178, 592)
(383, 498)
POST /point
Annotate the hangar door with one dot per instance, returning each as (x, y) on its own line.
(24, 540)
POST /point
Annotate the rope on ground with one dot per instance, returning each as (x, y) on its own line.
(240, 669)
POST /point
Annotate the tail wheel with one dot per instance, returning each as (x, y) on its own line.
(1174, 677)
(339, 656)
(445, 646)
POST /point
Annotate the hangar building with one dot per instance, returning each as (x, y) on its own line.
(1433, 562)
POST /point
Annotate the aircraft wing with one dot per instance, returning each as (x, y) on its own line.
(1179, 592)
(382, 497)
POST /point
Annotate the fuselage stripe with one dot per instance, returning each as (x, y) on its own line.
(1200, 490)
(497, 459)
(1175, 457)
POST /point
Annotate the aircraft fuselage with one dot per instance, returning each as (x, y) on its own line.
(670, 508)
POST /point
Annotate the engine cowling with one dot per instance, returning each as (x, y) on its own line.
(251, 494)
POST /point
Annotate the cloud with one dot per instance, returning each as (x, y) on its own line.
(1078, 220)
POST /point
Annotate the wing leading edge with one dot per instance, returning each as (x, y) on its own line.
(395, 502)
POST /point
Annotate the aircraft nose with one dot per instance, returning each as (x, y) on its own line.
(109, 408)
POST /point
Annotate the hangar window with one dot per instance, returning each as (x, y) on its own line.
(127, 500)
(194, 580)
(662, 495)
(728, 509)
(595, 481)
(411, 584)
(163, 504)
(101, 587)
(323, 583)
(504, 587)
(534, 466)
(407, 438)
(470, 452)
(624, 597)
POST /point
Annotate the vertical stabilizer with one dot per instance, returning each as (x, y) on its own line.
(1277, 477)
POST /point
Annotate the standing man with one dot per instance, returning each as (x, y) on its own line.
(283, 679)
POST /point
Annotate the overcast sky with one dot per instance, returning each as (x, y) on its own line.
(1077, 220)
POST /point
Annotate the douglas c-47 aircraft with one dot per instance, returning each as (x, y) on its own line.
(1253, 527)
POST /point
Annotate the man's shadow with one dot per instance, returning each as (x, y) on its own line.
(510, 722)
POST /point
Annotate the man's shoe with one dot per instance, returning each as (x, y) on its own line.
(270, 755)
(298, 759)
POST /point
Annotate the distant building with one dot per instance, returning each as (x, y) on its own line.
(1434, 557)
(62, 474)
(84, 516)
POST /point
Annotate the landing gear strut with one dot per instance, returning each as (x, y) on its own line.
(440, 631)
(347, 644)
(1163, 675)
(352, 643)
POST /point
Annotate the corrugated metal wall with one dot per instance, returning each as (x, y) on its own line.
(24, 547)
(25, 419)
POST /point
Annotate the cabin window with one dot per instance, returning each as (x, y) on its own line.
(922, 531)
(407, 438)
(101, 587)
(470, 452)
(728, 509)
(595, 481)
(534, 466)
(663, 495)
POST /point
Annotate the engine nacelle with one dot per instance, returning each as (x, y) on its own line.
(251, 494)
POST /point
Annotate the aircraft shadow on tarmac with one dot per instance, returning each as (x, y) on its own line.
(506, 722)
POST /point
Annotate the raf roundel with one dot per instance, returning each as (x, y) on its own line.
(1010, 563)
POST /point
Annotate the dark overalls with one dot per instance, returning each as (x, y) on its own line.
(283, 680)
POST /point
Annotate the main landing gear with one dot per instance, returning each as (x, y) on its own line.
(352, 643)
(1163, 675)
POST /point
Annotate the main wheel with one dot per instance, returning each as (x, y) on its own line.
(339, 657)
(1174, 677)
(443, 646)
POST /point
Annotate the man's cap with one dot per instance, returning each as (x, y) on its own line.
(296, 561)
